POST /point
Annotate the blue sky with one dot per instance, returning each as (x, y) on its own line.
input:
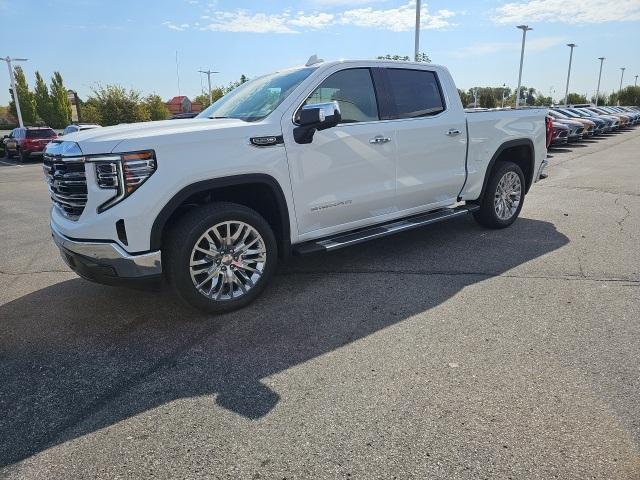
(133, 42)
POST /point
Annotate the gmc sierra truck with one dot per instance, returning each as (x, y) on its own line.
(309, 159)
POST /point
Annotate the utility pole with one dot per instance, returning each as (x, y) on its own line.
(178, 72)
(566, 91)
(208, 74)
(417, 39)
(525, 29)
(503, 90)
(599, 77)
(12, 80)
(620, 89)
(636, 83)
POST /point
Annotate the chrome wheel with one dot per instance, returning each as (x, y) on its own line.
(227, 260)
(508, 196)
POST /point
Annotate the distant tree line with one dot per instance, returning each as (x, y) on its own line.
(219, 92)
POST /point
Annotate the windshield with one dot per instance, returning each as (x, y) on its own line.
(570, 113)
(44, 133)
(257, 98)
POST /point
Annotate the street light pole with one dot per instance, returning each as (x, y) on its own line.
(599, 77)
(525, 29)
(13, 85)
(503, 90)
(620, 89)
(636, 82)
(417, 39)
(566, 91)
(208, 73)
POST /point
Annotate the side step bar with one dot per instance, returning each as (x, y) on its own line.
(369, 233)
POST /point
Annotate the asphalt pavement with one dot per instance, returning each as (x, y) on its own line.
(450, 351)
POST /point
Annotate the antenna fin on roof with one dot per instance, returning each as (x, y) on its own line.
(313, 59)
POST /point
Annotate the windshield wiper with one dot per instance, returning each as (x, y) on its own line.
(220, 117)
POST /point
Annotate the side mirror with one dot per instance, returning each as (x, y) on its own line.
(316, 116)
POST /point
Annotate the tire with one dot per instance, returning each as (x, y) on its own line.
(497, 206)
(230, 280)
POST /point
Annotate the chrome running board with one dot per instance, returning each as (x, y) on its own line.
(382, 230)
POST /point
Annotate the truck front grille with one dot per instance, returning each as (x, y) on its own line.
(67, 184)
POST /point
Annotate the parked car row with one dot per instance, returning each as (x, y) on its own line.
(572, 123)
(29, 142)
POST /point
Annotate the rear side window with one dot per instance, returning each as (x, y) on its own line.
(43, 133)
(416, 93)
(354, 92)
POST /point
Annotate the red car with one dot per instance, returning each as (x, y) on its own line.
(26, 142)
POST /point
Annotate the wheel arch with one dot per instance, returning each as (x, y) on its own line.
(226, 188)
(520, 151)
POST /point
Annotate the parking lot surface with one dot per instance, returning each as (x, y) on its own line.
(446, 352)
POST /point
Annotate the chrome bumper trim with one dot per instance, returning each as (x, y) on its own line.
(111, 254)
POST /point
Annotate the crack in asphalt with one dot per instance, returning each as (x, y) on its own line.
(624, 217)
(17, 274)
(564, 276)
(589, 189)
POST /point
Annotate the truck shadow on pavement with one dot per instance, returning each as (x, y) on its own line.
(78, 357)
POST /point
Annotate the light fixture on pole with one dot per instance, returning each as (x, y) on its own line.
(525, 29)
(620, 89)
(566, 91)
(416, 51)
(208, 73)
(12, 80)
(599, 77)
(503, 90)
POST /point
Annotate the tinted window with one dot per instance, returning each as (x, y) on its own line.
(42, 133)
(353, 90)
(416, 93)
(68, 130)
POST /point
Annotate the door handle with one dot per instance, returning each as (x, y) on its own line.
(379, 139)
(453, 132)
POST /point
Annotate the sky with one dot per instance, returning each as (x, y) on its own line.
(134, 43)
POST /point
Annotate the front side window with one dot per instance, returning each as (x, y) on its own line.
(257, 98)
(354, 92)
(416, 93)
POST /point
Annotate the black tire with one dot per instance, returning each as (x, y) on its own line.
(9, 154)
(487, 215)
(183, 237)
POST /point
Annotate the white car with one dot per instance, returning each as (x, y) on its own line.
(309, 159)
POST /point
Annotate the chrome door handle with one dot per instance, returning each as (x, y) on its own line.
(453, 132)
(379, 139)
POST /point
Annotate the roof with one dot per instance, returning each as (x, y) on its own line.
(177, 100)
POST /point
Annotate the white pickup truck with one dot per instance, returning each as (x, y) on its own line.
(308, 159)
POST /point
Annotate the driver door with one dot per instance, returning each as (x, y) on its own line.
(346, 175)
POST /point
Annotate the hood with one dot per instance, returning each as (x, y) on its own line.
(106, 139)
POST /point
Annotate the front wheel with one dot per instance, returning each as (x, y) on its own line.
(219, 257)
(503, 198)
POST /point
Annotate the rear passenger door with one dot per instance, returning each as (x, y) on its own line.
(431, 140)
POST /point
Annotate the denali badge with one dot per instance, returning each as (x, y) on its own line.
(331, 205)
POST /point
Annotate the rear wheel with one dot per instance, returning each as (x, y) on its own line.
(219, 257)
(503, 198)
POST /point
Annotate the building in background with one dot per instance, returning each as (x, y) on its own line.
(72, 95)
(182, 107)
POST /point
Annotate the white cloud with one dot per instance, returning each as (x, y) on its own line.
(533, 44)
(568, 11)
(400, 19)
(176, 27)
(397, 19)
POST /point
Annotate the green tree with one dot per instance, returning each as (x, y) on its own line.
(90, 112)
(486, 99)
(27, 102)
(464, 97)
(156, 107)
(542, 101)
(116, 105)
(602, 99)
(216, 93)
(574, 98)
(629, 96)
(60, 104)
(44, 106)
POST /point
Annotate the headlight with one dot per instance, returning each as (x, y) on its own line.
(123, 173)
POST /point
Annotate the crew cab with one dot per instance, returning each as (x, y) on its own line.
(27, 142)
(309, 159)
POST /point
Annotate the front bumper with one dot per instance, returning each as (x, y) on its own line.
(106, 262)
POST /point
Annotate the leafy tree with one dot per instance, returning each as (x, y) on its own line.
(60, 104)
(42, 100)
(574, 98)
(542, 101)
(602, 99)
(402, 58)
(630, 96)
(90, 112)
(612, 99)
(486, 99)
(464, 97)
(116, 104)
(156, 107)
(216, 93)
(25, 97)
